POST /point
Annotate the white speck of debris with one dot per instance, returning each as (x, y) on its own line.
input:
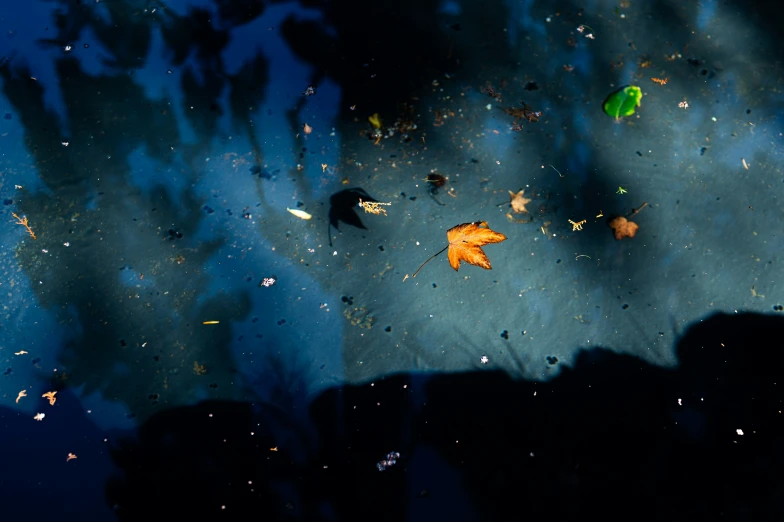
(714, 118)
(489, 106)
(739, 432)
(484, 359)
(417, 243)
(335, 253)
(679, 402)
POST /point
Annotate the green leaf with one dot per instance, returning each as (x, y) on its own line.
(622, 102)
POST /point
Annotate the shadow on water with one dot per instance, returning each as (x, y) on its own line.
(612, 436)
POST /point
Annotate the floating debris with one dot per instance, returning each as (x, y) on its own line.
(299, 213)
(389, 461)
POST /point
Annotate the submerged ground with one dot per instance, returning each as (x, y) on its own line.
(155, 152)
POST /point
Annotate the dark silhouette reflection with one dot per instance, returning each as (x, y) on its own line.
(611, 438)
(343, 208)
(131, 285)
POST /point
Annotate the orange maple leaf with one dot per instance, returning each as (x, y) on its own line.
(465, 244)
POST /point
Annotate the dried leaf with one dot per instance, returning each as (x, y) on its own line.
(51, 396)
(622, 227)
(518, 202)
(466, 240)
(299, 213)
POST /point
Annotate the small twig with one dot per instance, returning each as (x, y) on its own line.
(555, 169)
(637, 210)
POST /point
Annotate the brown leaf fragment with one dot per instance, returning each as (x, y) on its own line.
(622, 227)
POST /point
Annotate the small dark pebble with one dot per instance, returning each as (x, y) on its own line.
(505, 334)
(388, 329)
(208, 209)
(551, 359)
(281, 322)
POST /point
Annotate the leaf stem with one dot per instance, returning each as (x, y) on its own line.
(428, 260)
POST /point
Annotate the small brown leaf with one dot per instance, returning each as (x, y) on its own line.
(518, 202)
(622, 227)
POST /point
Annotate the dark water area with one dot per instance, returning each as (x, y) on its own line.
(215, 213)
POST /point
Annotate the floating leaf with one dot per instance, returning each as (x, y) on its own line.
(622, 227)
(465, 242)
(299, 213)
(622, 103)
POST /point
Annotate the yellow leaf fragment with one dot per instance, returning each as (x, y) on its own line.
(299, 213)
(51, 396)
